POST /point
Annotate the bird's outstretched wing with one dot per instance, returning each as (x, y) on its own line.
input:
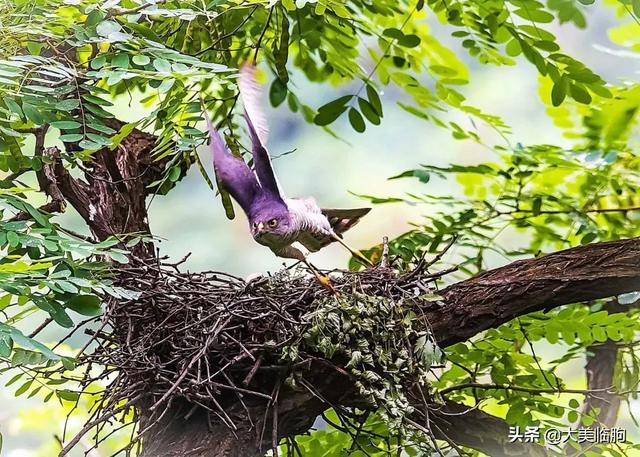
(340, 220)
(231, 171)
(250, 92)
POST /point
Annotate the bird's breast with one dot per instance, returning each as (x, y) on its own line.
(274, 240)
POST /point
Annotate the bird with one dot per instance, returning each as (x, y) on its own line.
(275, 221)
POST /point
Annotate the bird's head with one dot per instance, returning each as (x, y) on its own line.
(269, 221)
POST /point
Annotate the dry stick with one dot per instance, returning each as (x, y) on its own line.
(274, 426)
(191, 363)
(535, 357)
(41, 327)
(93, 423)
(247, 380)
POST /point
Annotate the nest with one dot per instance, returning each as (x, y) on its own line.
(210, 339)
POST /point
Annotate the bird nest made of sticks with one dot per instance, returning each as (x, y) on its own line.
(209, 338)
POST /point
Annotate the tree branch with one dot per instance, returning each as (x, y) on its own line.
(475, 429)
(600, 370)
(574, 275)
(604, 402)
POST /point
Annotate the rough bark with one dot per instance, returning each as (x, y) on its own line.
(574, 275)
(111, 197)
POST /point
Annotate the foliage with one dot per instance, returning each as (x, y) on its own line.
(357, 328)
(64, 64)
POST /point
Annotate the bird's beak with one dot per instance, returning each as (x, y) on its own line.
(260, 226)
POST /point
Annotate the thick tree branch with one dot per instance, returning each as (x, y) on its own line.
(574, 275)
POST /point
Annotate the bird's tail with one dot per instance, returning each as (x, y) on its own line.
(342, 220)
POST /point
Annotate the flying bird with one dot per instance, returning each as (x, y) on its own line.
(276, 221)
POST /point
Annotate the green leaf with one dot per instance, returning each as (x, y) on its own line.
(162, 65)
(374, 99)
(356, 120)
(89, 145)
(513, 48)
(32, 113)
(14, 379)
(422, 175)
(68, 395)
(534, 15)
(96, 100)
(99, 139)
(87, 305)
(332, 110)
(580, 94)
(23, 388)
(6, 345)
(588, 238)
(277, 92)
(13, 106)
(368, 111)
(69, 363)
(174, 173)
(106, 28)
(121, 61)
(98, 62)
(34, 392)
(166, 85)
(393, 32)
(336, 104)
(101, 128)
(536, 206)
(140, 59)
(409, 41)
(118, 257)
(68, 105)
(66, 125)
(327, 117)
(559, 91)
(29, 343)
(13, 239)
(71, 137)
(546, 45)
(60, 316)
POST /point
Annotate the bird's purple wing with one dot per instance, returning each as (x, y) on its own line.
(340, 220)
(258, 130)
(232, 172)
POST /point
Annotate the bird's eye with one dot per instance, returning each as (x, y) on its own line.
(272, 223)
